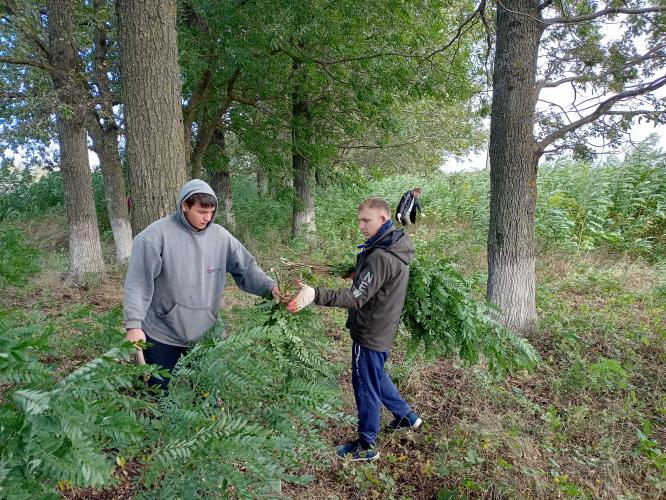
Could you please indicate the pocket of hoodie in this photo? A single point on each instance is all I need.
(188, 323)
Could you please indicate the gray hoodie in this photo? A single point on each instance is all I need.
(176, 275)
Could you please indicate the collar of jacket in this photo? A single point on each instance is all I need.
(383, 231)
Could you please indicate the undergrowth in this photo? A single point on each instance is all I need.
(18, 261)
(233, 422)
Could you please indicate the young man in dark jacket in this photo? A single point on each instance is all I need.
(374, 304)
(409, 204)
(176, 275)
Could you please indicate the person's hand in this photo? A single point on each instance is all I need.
(399, 216)
(304, 298)
(280, 297)
(136, 335)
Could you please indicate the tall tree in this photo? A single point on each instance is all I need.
(318, 77)
(613, 77)
(303, 219)
(152, 106)
(30, 103)
(104, 129)
(85, 252)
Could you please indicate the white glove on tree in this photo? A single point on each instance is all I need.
(303, 299)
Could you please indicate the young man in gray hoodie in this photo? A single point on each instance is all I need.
(374, 304)
(176, 275)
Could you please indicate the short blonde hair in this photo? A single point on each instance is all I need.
(377, 203)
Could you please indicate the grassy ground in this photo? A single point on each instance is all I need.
(591, 422)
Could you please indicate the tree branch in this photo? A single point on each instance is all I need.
(190, 110)
(637, 112)
(13, 10)
(29, 62)
(601, 13)
(459, 32)
(603, 109)
(244, 100)
(9, 96)
(541, 84)
(206, 134)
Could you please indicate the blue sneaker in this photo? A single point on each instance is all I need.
(357, 450)
(409, 421)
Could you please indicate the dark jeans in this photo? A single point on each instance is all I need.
(372, 388)
(164, 355)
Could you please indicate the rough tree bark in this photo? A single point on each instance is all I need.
(303, 222)
(513, 165)
(85, 251)
(221, 178)
(152, 106)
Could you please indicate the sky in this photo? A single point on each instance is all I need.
(477, 161)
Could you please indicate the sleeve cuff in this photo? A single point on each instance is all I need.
(132, 324)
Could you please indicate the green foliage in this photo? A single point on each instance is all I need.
(603, 376)
(441, 312)
(649, 448)
(68, 430)
(619, 205)
(243, 410)
(17, 260)
(16, 344)
(234, 420)
(21, 195)
(261, 221)
(80, 333)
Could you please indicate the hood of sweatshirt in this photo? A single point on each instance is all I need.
(188, 189)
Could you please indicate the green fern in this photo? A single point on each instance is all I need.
(234, 420)
(441, 313)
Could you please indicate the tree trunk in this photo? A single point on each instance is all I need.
(103, 129)
(303, 222)
(190, 111)
(152, 107)
(200, 149)
(218, 166)
(85, 250)
(513, 166)
(262, 183)
(105, 144)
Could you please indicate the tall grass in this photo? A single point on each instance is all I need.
(620, 205)
(24, 195)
